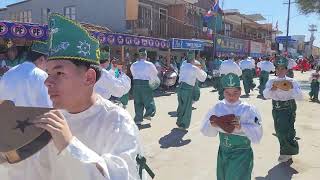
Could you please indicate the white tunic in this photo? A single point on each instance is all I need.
(144, 70)
(229, 66)
(24, 85)
(266, 66)
(246, 64)
(250, 120)
(108, 85)
(104, 135)
(291, 63)
(190, 73)
(314, 77)
(280, 95)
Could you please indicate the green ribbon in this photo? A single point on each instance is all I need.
(142, 162)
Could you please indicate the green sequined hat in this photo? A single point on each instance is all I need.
(40, 47)
(281, 62)
(143, 52)
(69, 40)
(230, 81)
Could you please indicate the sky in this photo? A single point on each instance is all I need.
(272, 10)
(275, 10)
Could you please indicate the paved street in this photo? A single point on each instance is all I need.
(178, 156)
(174, 155)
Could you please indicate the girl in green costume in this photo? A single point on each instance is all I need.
(242, 126)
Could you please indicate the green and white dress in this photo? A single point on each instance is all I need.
(235, 155)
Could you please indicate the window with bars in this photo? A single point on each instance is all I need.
(45, 12)
(23, 16)
(145, 16)
(70, 12)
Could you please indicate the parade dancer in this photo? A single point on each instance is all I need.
(108, 85)
(247, 75)
(284, 91)
(144, 74)
(189, 74)
(228, 66)
(265, 68)
(216, 78)
(314, 80)
(24, 84)
(238, 124)
(196, 89)
(91, 137)
(291, 63)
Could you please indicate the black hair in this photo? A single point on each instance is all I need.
(89, 65)
(104, 61)
(33, 56)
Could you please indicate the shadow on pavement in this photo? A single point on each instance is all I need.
(282, 171)
(144, 126)
(174, 139)
(173, 114)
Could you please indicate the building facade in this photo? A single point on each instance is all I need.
(98, 12)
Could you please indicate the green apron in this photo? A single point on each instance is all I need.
(284, 116)
(314, 90)
(196, 92)
(220, 90)
(247, 77)
(143, 99)
(235, 158)
(290, 73)
(184, 111)
(264, 77)
(124, 99)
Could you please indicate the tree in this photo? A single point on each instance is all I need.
(309, 6)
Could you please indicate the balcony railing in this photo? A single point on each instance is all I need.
(149, 27)
(241, 35)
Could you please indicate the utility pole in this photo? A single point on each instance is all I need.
(312, 29)
(288, 26)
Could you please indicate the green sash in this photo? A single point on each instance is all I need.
(235, 158)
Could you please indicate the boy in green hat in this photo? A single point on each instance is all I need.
(226, 67)
(238, 124)
(144, 73)
(189, 74)
(216, 77)
(91, 137)
(247, 74)
(284, 92)
(315, 80)
(266, 67)
(24, 84)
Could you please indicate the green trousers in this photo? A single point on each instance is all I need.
(196, 92)
(248, 83)
(290, 73)
(143, 99)
(220, 90)
(235, 158)
(314, 90)
(217, 83)
(124, 99)
(264, 77)
(184, 111)
(284, 116)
